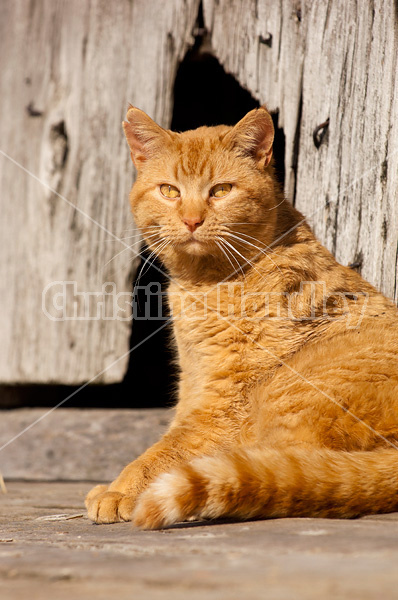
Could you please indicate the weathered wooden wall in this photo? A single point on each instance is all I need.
(68, 70)
(315, 60)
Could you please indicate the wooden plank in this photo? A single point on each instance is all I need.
(318, 60)
(72, 443)
(47, 556)
(350, 184)
(67, 72)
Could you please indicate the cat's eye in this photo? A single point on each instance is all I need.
(169, 191)
(220, 190)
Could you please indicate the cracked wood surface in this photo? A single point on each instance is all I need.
(50, 551)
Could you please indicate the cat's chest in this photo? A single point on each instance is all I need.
(233, 333)
(218, 329)
(199, 320)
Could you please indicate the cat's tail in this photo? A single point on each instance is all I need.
(258, 483)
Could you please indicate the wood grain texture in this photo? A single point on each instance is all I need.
(49, 557)
(63, 444)
(318, 60)
(68, 70)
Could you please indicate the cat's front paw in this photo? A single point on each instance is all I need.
(108, 507)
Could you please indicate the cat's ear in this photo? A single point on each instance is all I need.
(254, 135)
(145, 138)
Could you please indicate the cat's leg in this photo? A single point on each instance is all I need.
(201, 433)
(109, 504)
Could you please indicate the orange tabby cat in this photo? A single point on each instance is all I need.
(288, 396)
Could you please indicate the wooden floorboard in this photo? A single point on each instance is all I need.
(49, 550)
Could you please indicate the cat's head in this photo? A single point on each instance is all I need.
(197, 189)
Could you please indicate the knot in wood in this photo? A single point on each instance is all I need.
(320, 132)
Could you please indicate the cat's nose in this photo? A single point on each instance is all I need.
(193, 223)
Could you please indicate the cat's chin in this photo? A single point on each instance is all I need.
(194, 248)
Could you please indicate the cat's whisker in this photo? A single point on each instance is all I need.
(130, 247)
(140, 231)
(253, 224)
(247, 260)
(116, 240)
(255, 239)
(139, 237)
(163, 243)
(267, 250)
(254, 267)
(257, 247)
(270, 250)
(250, 262)
(145, 231)
(142, 238)
(227, 253)
(251, 237)
(259, 242)
(238, 237)
(125, 230)
(145, 227)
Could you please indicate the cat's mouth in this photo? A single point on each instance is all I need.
(192, 242)
(193, 245)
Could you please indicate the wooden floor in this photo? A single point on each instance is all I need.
(49, 550)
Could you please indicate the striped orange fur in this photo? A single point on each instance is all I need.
(288, 394)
